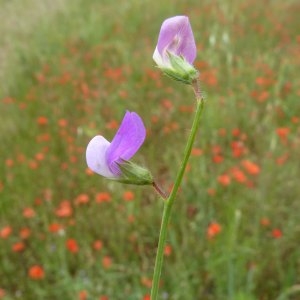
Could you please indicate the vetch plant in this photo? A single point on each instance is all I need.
(174, 55)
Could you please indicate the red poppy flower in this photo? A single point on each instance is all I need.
(36, 272)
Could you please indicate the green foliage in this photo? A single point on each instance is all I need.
(70, 70)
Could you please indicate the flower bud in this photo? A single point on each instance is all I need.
(176, 50)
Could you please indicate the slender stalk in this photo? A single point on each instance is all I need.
(170, 200)
(159, 190)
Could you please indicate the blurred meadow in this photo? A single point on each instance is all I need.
(69, 70)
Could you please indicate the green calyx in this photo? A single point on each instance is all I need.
(132, 173)
(180, 70)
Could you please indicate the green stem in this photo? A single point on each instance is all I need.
(170, 200)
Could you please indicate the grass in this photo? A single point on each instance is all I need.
(69, 70)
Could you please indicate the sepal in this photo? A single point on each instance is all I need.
(132, 173)
(179, 69)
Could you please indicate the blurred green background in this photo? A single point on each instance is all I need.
(68, 71)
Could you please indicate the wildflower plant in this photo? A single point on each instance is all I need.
(174, 55)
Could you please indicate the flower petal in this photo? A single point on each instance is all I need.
(159, 60)
(96, 152)
(126, 142)
(176, 36)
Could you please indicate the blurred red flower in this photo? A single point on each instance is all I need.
(251, 167)
(213, 229)
(28, 212)
(5, 232)
(283, 132)
(128, 195)
(147, 282)
(42, 120)
(82, 199)
(83, 295)
(64, 210)
(238, 175)
(2, 293)
(97, 245)
(36, 272)
(224, 179)
(103, 197)
(168, 250)
(55, 227)
(72, 245)
(24, 233)
(18, 247)
(196, 151)
(106, 262)
(276, 233)
(265, 222)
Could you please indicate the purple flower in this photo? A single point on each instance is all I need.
(104, 158)
(176, 38)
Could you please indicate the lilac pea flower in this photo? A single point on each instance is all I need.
(176, 49)
(107, 159)
(176, 37)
